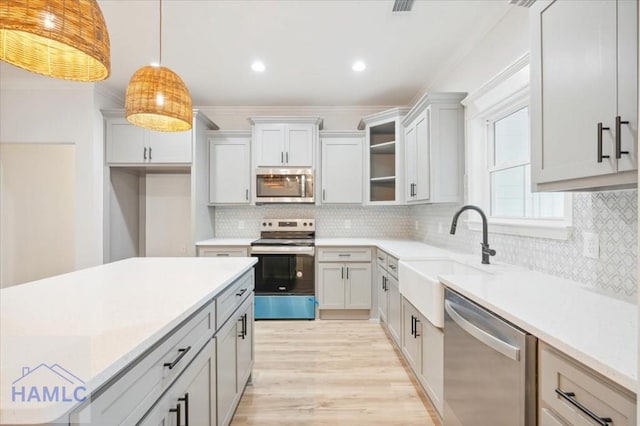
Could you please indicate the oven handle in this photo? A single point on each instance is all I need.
(309, 251)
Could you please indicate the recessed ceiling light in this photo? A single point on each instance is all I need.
(359, 66)
(258, 66)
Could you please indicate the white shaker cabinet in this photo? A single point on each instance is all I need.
(344, 285)
(434, 149)
(126, 144)
(229, 167)
(342, 167)
(285, 141)
(584, 94)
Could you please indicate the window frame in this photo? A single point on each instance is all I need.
(505, 94)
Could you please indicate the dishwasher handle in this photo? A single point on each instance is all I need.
(493, 342)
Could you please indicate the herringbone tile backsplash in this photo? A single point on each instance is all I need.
(612, 215)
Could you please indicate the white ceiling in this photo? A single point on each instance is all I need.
(308, 47)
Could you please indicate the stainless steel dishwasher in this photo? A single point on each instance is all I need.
(489, 368)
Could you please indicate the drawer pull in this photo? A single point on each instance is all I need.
(182, 353)
(243, 291)
(392, 267)
(186, 408)
(570, 397)
(222, 254)
(381, 259)
(178, 413)
(344, 255)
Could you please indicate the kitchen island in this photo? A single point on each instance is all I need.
(108, 344)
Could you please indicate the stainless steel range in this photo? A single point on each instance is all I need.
(285, 273)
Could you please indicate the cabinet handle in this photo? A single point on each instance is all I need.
(600, 129)
(415, 328)
(287, 157)
(392, 267)
(570, 397)
(324, 194)
(178, 413)
(344, 254)
(342, 270)
(149, 153)
(241, 327)
(145, 153)
(619, 124)
(185, 399)
(245, 324)
(222, 254)
(182, 353)
(281, 157)
(386, 282)
(381, 259)
(246, 194)
(243, 291)
(347, 272)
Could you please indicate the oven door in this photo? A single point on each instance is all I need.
(284, 273)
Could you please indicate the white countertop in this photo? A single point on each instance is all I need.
(226, 242)
(400, 249)
(595, 329)
(95, 321)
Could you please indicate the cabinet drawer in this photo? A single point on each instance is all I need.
(229, 300)
(392, 266)
(134, 390)
(381, 258)
(220, 251)
(594, 392)
(344, 254)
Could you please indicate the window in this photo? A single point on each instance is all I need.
(498, 162)
(510, 171)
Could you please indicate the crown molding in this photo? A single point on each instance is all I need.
(229, 133)
(286, 119)
(430, 99)
(382, 115)
(342, 133)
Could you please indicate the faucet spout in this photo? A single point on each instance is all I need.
(486, 250)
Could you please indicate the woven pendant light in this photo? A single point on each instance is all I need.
(65, 39)
(157, 98)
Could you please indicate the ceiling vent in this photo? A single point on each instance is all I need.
(402, 5)
(523, 3)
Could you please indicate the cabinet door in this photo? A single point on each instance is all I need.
(548, 418)
(411, 338)
(227, 356)
(125, 142)
(229, 171)
(433, 362)
(342, 174)
(169, 147)
(383, 302)
(573, 83)
(628, 82)
(245, 343)
(299, 145)
(411, 151)
(422, 189)
(358, 286)
(394, 316)
(270, 144)
(331, 283)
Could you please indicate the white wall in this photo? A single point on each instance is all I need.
(42, 110)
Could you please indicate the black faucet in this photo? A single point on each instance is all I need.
(486, 251)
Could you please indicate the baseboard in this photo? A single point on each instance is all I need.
(344, 314)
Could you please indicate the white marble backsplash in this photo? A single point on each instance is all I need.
(382, 222)
(612, 215)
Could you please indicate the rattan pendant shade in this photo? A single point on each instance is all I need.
(157, 99)
(65, 39)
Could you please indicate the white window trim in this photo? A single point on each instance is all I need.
(509, 90)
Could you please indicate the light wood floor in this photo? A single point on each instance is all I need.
(329, 373)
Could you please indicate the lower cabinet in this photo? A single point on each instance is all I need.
(422, 346)
(344, 285)
(235, 360)
(188, 401)
(394, 311)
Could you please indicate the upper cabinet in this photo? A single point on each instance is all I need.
(342, 168)
(229, 167)
(584, 94)
(434, 149)
(127, 144)
(384, 160)
(285, 141)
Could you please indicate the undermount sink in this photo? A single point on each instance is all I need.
(420, 285)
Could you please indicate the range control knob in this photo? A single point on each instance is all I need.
(264, 223)
(270, 224)
(304, 224)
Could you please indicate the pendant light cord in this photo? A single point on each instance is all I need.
(160, 60)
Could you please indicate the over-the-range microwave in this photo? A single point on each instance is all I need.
(284, 186)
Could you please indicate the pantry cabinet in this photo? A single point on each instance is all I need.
(584, 94)
(341, 167)
(434, 154)
(229, 167)
(384, 157)
(126, 144)
(285, 141)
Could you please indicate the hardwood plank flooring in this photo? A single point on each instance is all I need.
(330, 373)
